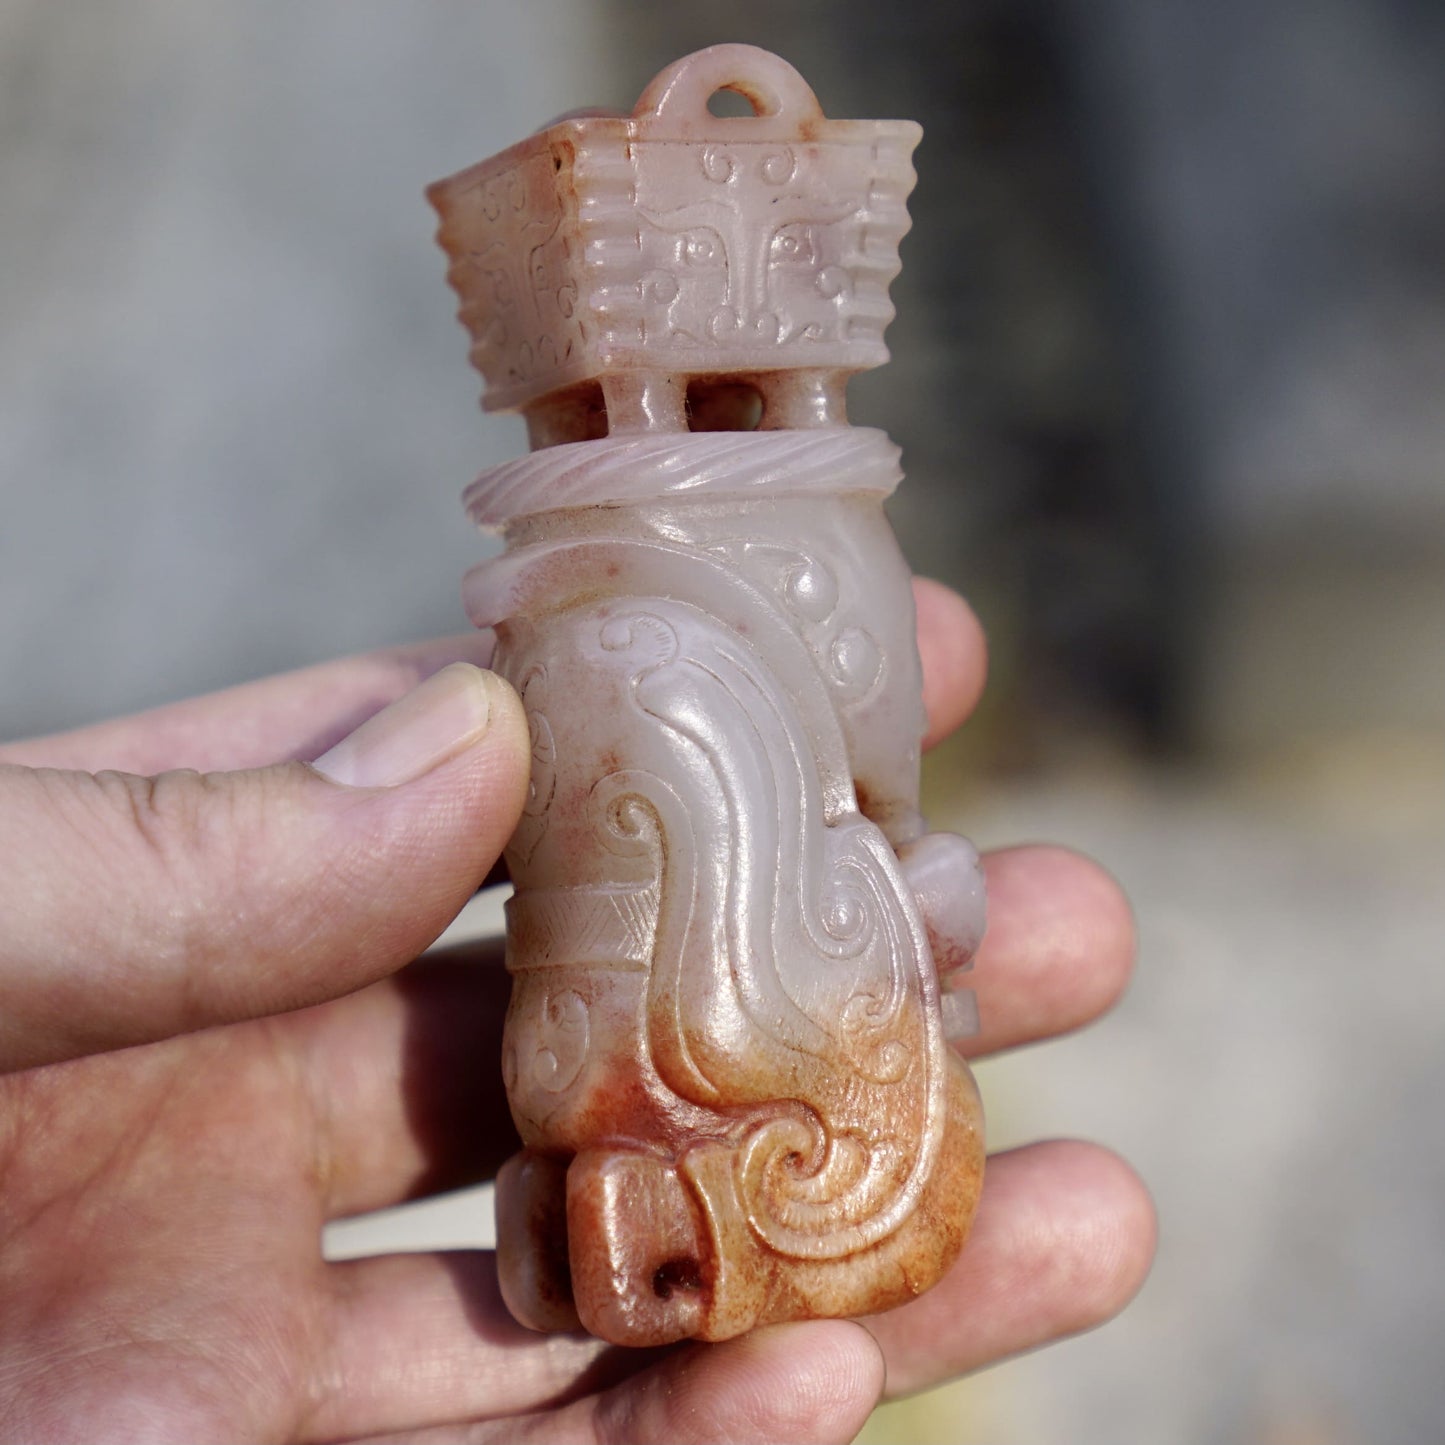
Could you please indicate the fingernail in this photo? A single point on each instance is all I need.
(430, 725)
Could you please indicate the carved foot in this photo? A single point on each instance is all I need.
(756, 1285)
(532, 1264)
(640, 1262)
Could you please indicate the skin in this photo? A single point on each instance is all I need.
(211, 1047)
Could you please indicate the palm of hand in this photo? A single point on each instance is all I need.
(163, 1207)
(160, 1266)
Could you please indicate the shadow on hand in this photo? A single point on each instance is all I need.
(456, 1002)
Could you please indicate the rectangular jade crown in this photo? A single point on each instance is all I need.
(676, 240)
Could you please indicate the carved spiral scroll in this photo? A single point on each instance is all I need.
(816, 1195)
(785, 945)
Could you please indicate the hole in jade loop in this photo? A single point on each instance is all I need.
(726, 102)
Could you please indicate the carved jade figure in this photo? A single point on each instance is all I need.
(726, 1051)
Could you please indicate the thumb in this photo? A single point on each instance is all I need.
(135, 908)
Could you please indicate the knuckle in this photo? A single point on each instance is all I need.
(187, 843)
(159, 821)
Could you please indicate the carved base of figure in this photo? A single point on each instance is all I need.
(640, 1249)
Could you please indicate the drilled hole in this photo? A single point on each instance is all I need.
(727, 103)
(723, 406)
(676, 1274)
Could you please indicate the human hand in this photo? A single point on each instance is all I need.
(172, 1138)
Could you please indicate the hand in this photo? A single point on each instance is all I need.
(212, 1052)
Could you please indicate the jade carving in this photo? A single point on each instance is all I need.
(735, 948)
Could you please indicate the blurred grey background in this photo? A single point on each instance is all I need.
(1178, 432)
